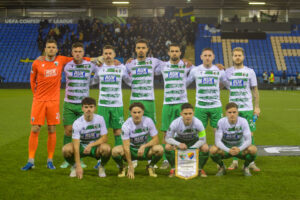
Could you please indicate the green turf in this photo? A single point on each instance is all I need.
(279, 178)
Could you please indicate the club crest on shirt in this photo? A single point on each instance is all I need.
(56, 63)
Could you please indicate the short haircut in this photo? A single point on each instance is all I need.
(51, 41)
(207, 49)
(231, 105)
(174, 45)
(142, 41)
(238, 49)
(88, 101)
(137, 104)
(77, 44)
(186, 106)
(108, 47)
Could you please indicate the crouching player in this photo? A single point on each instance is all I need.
(89, 136)
(186, 132)
(135, 132)
(233, 138)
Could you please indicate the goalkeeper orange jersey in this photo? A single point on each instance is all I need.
(45, 78)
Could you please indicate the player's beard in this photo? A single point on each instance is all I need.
(174, 59)
(141, 55)
(238, 64)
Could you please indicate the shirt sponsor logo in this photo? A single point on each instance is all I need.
(237, 82)
(110, 78)
(173, 74)
(208, 80)
(50, 72)
(141, 71)
(79, 74)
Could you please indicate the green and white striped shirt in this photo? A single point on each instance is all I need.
(207, 85)
(110, 84)
(78, 80)
(229, 135)
(138, 134)
(142, 74)
(88, 132)
(240, 83)
(175, 82)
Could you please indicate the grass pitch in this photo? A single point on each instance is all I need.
(279, 178)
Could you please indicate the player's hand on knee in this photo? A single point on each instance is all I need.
(141, 151)
(234, 151)
(182, 146)
(79, 172)
(87, 149)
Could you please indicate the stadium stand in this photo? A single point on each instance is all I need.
(17, 48)
(278, 52)
(20, 44)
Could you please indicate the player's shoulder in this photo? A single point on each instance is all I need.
(242, 120)
(59, 57)
(251, 71)
(87, 62)
(37, 63)
(222, 121)
(197, 123)
(147, 120)
(229, 69)
(127, 124)
(176, 122)
(196, 68)
(131, 64)
(196, 120)
(70, 63)
(79, 121)
(98, 117)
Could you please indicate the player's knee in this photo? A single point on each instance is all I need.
(204, 148)
(158, 149)
(169, 147)
(252, 149)
(117, 132)
(68, 150)
(105, 149)
(51, 129)
(35, 128)
(117, 151)
(68, 130)
(213, 149)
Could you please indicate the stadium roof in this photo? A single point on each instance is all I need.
(234, 4)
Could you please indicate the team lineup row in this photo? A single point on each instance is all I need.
(139, 75)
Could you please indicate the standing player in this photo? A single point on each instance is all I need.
(242, 80)
(78, 73)
(174, 74)
(135, 133)
(187, 132)
(233, 138)
(208, 78)
(110, 103)
(142, 71)
(89, 139)
(45, 85)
